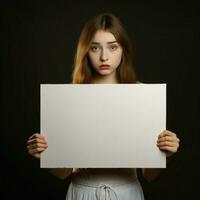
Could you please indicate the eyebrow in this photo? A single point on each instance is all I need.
(111, 42)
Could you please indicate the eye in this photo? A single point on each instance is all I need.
(94, 48)
(113, 47)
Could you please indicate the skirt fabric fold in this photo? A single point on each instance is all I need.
(114, 186)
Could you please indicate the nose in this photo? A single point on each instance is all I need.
(104, 55)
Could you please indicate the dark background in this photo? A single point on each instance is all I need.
(38, 42)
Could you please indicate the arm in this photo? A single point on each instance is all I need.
(36, 145)
(151, 174)
(60, 173)
(168, 142)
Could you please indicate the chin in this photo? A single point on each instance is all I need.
(105, 72)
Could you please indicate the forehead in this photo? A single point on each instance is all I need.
(102, 36)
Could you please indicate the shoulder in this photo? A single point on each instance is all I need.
(138, 82)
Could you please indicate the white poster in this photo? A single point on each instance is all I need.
(103, 125)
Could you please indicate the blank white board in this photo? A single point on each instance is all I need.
(102, 125)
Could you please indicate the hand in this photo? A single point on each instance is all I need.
(168, 142)
(36, 145)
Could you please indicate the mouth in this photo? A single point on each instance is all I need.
(103, 67)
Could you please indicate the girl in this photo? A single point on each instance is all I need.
(104, 55)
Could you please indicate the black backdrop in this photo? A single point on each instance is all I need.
(38, 42)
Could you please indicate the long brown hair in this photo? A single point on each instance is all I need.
(83, 71)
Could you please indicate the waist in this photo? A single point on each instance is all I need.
(98, 177)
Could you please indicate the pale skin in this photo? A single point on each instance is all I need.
(106, 50)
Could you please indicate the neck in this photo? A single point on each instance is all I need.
(105, 79)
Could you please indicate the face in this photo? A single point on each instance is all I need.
(105, 53)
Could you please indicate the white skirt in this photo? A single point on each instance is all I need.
(105, 188)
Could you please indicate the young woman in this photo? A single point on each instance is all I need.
(104, 55)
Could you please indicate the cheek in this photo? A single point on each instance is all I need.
(117, 59)
(93, 59)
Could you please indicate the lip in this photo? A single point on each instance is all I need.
(104, 66)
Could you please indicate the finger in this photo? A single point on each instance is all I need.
(36, 140)
(166, 133)
(166, 138)
(34, 135)
(167, 143)
(169, 149)
(37, 135)
(37, 150)
(37, 145)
